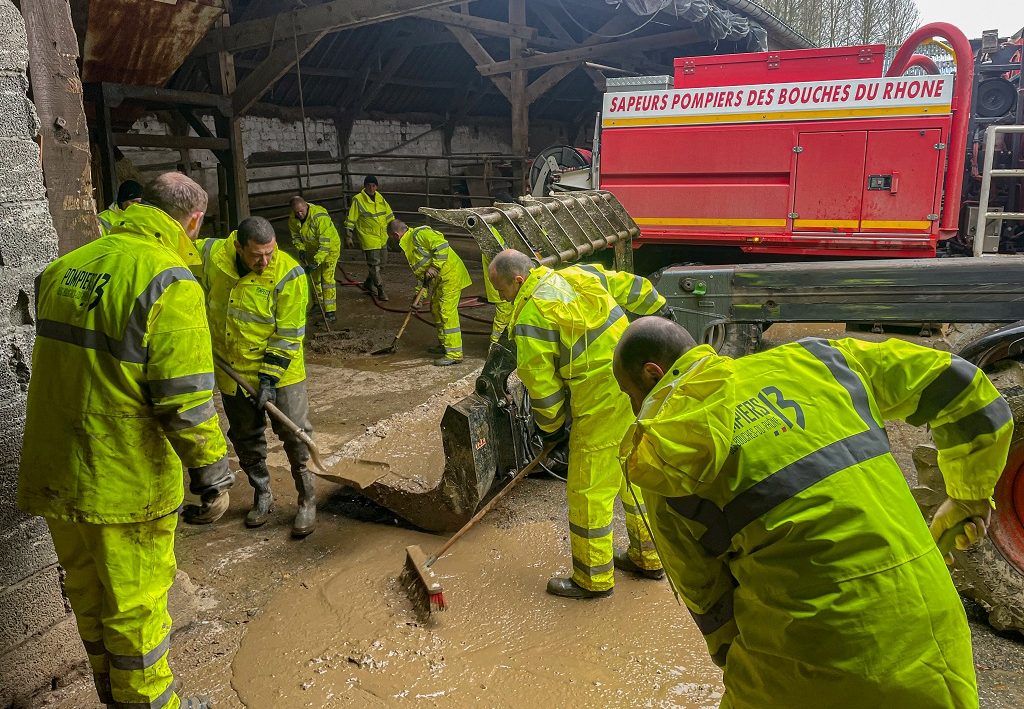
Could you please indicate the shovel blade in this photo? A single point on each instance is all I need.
(355, 472)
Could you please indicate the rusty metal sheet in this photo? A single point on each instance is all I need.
(143, 42)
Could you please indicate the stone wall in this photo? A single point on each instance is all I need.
(38, 639)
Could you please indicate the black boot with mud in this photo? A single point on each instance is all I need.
(305, 518)
(381, 295)
(262, 499)
(436, 350)
(567, 588)
(624, 563)
(446, 362)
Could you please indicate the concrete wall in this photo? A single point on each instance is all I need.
(273, 150)
(38, 639)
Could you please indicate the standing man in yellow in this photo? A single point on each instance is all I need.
(565, 325)
(256, 299)
(786, 525)
(316, 239)
(121, 397)
(443, 273)
(130, 192)
(369, 217)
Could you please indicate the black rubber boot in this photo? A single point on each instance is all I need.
(437, 350)
(262, 499)
(624, 563)
(381, 295)
(305, 519)
(445, 362)
(567, 588)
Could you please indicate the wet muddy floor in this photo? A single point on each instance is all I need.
(322, 622)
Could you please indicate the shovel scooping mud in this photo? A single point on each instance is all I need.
(405, 323)
(354, 472)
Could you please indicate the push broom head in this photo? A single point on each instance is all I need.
(421, 584)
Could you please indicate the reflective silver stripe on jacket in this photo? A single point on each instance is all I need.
(720, 613)
(245, 316)
(188, 384)
(190, 418)
(130, 347)
(760, 498)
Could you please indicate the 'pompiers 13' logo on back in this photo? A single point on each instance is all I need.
(85, 287)
(769, 411)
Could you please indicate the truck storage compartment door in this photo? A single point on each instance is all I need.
(828, 182)
(900, 178)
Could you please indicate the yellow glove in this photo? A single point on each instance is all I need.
(960, 524)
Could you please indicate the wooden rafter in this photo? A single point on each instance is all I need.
(658, 41)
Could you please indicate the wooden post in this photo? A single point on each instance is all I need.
(222, 74)
(64, 135)
(103, 132)
(519, 101)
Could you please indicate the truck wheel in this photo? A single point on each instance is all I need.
(993, 572)
(734, 339)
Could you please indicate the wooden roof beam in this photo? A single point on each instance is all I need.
(329, 17)
(658, 41)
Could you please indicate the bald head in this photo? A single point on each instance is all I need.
(507, 272)
(300, 208)
(396, 228)
(648, 348)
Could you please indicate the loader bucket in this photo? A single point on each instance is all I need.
(556, 230)
(487, 435)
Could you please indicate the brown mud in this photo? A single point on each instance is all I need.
(347, 635)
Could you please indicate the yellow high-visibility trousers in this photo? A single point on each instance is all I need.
(325, 282)
(594, 482)
(117, 579)
(444, 306)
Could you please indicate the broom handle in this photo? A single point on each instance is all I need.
(530, 467)
(272, 410)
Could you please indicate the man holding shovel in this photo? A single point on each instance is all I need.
(256, 301)
(437, 265)
(316, 239)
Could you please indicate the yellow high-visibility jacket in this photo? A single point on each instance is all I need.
(636, 294)
(491, 292)
(122, 379)
(257, 321)
(316, 237)
(566, 326)
(785, 523)
(109, 218)
(424, 247)
(369, 218)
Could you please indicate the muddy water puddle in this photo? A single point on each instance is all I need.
(346, 635)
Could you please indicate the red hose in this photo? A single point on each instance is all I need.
(921, 61)
(962, 86)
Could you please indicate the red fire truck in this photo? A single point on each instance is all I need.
(814, 153)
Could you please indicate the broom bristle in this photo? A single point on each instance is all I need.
(421, 585)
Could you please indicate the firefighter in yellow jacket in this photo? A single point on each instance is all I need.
(444, 275)
(256, 300)
(316, 239)
(121, 398)
(130, 192)
(368, 217)
(565, 325)
(786, 525)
